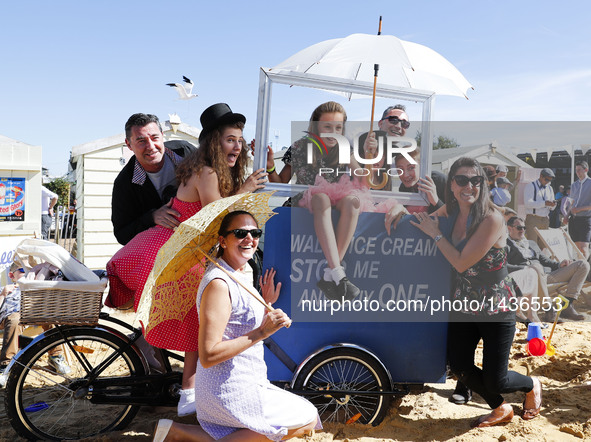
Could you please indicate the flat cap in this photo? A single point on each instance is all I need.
(548, 172)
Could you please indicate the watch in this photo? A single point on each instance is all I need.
(437, 238)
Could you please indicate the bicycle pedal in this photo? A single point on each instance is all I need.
(82, 349)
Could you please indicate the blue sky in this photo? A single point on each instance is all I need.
(73, 71)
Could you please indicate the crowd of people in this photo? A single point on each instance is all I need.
(492, 252)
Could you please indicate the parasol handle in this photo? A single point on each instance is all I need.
(370, 177)
(256, 295)
(376, 68)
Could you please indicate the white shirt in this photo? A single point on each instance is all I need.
(46, 197)
(535, 197)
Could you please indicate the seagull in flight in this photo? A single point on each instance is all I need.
(185, 89)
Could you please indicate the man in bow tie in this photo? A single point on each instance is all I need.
(539, 201)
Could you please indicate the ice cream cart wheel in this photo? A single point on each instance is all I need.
(349, 370)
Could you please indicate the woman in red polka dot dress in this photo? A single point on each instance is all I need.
(214, 171)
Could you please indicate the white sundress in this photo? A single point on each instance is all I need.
(236, 393)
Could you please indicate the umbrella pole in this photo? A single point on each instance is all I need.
(370, 176)
(253, 293)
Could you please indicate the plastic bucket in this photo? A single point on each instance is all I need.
(534, 330)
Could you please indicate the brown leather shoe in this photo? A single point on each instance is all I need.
(550, 316)
(571, 313)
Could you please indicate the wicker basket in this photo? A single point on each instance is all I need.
(61, 302)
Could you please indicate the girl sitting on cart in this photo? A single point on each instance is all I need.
(348, 194)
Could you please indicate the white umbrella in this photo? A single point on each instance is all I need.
(402, 63)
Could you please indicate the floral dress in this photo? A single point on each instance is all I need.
(487, 283)
(336, 184)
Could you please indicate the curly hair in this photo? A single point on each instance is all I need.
(483, 205)
(210, 154)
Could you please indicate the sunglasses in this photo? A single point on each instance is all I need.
(395, 120)
(463, 180)
(241, 233)
(520, 228)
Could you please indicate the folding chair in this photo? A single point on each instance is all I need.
(561, 246)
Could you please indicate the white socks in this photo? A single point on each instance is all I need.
(186, 404)
(336, 274)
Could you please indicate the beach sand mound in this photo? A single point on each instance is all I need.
(426, 414)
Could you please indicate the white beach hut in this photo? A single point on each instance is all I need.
(20, 196)
(96, 166)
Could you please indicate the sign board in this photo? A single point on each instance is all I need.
(12, 199)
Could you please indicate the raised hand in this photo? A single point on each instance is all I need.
(267, 283)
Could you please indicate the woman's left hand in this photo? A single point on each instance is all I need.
(427, 224)
(393, 216)
(270, 291)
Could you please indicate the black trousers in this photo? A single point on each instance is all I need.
(494, 378)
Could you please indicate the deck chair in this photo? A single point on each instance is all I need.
(561, 246)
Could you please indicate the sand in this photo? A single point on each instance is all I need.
(426, 414)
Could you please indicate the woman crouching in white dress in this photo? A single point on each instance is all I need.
(234, 398)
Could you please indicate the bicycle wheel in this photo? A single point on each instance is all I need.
(42, 403)
(346, 369)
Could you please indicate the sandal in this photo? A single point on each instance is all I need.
(482, 421)
(162, 429)
(530, 413)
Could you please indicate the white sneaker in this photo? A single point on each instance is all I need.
(3, 379)
(59, 363)
(186, 404)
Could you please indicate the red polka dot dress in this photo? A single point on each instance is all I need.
(128, 271)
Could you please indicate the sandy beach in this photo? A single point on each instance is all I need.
(426, 414)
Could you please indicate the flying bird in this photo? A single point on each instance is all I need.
(184, 90)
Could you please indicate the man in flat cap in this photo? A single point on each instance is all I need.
(501, 195)
(539, 201)
(502, 171)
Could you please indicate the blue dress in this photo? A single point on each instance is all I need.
(236, 393)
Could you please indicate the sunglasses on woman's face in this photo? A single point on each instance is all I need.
(241, 233)
(395, 120)
(463, 180)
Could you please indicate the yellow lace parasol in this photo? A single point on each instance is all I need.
(171, 287)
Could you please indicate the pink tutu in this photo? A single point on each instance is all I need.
(337, 191)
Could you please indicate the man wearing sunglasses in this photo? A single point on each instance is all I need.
(524, 253)
(393, 123)
(539, 201)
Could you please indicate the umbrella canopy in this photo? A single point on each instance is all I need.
(174, 273)
(402, 63)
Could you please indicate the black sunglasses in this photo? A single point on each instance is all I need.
(463, 180)
(395, 120)
(241, 233)
(520, 228)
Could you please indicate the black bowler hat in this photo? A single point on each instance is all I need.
(217, 115)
